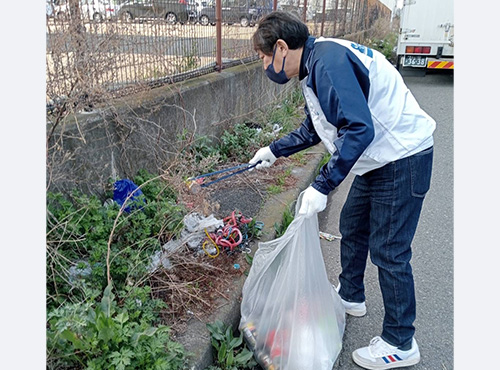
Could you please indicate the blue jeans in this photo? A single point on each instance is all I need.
(381, 215)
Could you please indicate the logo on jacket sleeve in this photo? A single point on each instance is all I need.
(362, 49)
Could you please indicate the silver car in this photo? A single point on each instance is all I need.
(94, 10)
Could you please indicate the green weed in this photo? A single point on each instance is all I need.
(101, 335)
(277, 188)
(385, 45)
(287, 113)
(274, 189)
(285, 222)
(299, 157)
(78, 230)
(231, 352)
(239, 143)
(254, 229)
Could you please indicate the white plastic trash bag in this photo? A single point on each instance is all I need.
(291, 316)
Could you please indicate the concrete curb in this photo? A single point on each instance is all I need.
(196, 339)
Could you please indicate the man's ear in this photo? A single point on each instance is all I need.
(282, 46)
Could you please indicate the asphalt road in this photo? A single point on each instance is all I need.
(432, 260)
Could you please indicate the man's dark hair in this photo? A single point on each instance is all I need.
(279, 25)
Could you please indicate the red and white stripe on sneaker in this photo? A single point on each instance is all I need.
(391, 358)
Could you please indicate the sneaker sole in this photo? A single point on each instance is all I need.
(370, 366)
(356, 313)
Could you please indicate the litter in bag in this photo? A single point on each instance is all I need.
(291, 316)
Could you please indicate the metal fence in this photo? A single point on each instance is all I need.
(100, 49)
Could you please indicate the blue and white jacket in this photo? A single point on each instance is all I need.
(358, 105)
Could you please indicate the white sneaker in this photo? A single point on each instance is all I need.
(381, 355)
(353, 308)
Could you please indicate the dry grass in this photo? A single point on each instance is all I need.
(195, 286)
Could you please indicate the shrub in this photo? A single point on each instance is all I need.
(78, 231)
(239, 143)
(103, 336)
(383, 36)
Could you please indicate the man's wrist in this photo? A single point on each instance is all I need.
(274, 150)
(323, 190)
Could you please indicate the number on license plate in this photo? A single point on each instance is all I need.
(414, 61)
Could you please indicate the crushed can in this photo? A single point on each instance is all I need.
(193, 186)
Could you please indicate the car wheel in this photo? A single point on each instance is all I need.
(98, 17)
(61, 16)
(244, 22)
(204, 20)
(126, 17)
(171, 18)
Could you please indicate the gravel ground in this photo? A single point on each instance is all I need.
(246, 199)
(247, 192)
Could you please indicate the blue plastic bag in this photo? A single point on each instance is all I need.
(123, 189)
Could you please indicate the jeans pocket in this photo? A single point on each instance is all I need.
(421, 171)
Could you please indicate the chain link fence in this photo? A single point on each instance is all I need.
(103, 49)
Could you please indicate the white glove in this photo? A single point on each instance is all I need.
(265, 155)
(312, 202)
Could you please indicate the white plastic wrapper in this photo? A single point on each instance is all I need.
(291, 316)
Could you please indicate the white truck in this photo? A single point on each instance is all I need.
(426, 35)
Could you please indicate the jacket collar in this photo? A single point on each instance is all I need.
(303, 72)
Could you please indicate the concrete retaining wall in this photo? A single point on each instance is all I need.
(142, 131)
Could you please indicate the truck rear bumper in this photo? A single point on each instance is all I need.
(442, 63)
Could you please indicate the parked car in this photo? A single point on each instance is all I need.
(99, 10)
(95, 10)
(244, 12)
(61, 9)
(194, 10)
(172, 11)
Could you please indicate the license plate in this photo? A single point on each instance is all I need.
(415, 61)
